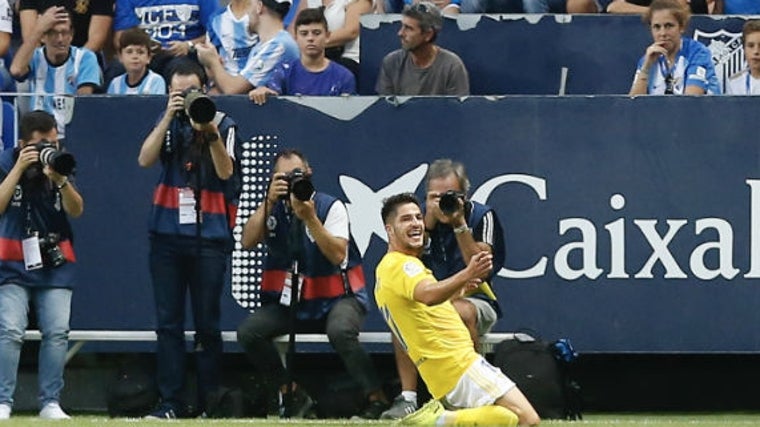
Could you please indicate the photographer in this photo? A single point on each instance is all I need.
(37, 260)
(457, 229)
(194, 208)
(308, 243)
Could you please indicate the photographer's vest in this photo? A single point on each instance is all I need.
(323, 282)
(45, 215)
(187, 168)
(444, 258)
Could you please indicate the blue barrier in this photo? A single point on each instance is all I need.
(632, 225)
(519, 54)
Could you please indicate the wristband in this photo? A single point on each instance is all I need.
(461, 229)
(63, 184)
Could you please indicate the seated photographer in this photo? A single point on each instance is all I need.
(37, 260)
(190, 225)
(457, 229)
(307, 235)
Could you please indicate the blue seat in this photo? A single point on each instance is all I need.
(9, 125)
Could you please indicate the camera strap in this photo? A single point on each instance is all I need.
(347, 291)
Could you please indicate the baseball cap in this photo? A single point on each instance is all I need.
(280, 6)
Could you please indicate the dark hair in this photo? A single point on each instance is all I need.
(751, 26)
(311, 16)
(427, 14)
(393, 202)
(35, 121)
(679, 11)
(186, 67)
(134, 37)
(281, 8)
(287, 153)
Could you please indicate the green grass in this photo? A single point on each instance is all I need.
(615, 420)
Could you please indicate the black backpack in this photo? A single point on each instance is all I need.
(132, 392)
(541, 371)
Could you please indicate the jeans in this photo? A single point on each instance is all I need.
(176, 268)
(342, 327)
(53, 310)
(544, 6)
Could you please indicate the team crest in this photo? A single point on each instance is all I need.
(81, 6)
(18, 194)
(727, 53)
(184, 12)
(271, 222)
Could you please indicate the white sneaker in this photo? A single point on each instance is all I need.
(53, 411)
(5, 411)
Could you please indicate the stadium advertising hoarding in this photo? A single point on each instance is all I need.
(632, 225)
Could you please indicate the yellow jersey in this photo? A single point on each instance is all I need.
(434, 336)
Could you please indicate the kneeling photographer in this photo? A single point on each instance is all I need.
(36, 256)
(312, 282)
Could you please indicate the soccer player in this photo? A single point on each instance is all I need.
(466, 389)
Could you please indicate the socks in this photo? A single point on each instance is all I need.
(410, 396)
(484, 416)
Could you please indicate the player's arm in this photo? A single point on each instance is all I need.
(430, 292)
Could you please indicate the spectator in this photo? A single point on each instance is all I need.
(740, 7)
(135, 54)
(640, 7)
(421, 67)
(747, 82)
(57, 68)
(560, 6)
(37, 262)
(307, 233)
(177, 25)
(673, 64)
(418, 310)
(275, 47)
(194, 207)
(228, 33)
(90, 19)
(456, 232)
(313, 74)
(6, 30)
(343, 22)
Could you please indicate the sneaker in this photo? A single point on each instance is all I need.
(400, 408)
(300, 405)
(53, 411)
(5, 411)
(426, 416)
(373, 410)
(162, 413)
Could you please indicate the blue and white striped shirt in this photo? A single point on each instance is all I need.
(49, 82)
(266, 56)
(151, 84)
(231, 38)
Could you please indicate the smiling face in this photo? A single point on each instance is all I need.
(406, 230)
(57, 41)
(666, 30)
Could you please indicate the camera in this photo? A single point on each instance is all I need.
(449, 201)
(299, 184)
(51, 252)
(198, 106)
(60, 161)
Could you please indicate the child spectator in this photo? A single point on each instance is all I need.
(313, 74)
(135, 54)
(747, 81)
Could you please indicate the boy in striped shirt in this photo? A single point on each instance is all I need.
(135, 54)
